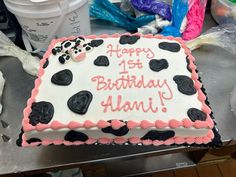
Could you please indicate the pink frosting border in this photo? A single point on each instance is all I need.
(116, 124)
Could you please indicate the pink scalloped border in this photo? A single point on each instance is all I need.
(116, 124)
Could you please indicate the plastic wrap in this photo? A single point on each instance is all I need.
(8, 48)
(103, 9)
(179, 11)
(223, 36)
(153, 7)
(2, 83)
(30, 64)
(223, 11)
(195, 18)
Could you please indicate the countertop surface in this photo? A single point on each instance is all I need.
(216, 68)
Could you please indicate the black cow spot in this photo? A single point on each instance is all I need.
(77, 43)
(73, 136)
(45, 65)
(63, 58)
(196, 114)
(33, 140)
(79, 103)
(126, 39)
(170, 46)
(185, 84)
(96, 43)
(158, 135)
(67, 44)
(56, 50)
(42, 112)
(63, 77)
(188, 68)
(101, 61)
(119, 132)
(158, 65)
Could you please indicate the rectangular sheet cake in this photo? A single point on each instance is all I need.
(116, 89)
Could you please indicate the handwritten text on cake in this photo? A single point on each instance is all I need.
(131, 59)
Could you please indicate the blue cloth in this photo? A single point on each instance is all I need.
(179, 11)
(103, 9)
(153, 7)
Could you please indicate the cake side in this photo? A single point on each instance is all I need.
(144, 126)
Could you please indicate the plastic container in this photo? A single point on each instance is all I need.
(223, 11)
(43, 20)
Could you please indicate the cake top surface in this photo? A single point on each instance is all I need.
(134, 78)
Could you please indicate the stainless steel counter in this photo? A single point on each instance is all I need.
(216, 67)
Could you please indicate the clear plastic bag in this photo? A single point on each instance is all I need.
(223, 36)
(8, 48)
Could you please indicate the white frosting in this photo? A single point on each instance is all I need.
(83, 72)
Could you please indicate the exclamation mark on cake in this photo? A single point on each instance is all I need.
(164, 109)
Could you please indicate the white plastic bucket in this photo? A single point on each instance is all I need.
(43, 20)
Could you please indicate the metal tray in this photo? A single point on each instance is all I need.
(217, 69)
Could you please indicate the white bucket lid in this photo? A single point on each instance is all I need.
(40, 8)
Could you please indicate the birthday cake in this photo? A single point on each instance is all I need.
(118, 89)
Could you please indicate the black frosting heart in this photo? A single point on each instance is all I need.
(79, 103)
(158, 65)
